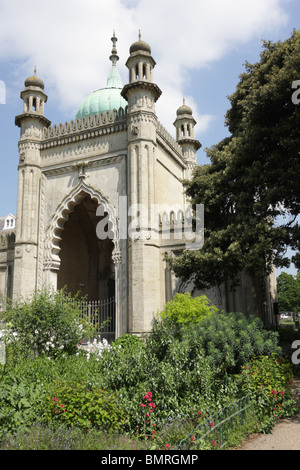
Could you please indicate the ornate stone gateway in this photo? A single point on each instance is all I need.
(73, 175)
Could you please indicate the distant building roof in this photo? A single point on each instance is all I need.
(8, 222)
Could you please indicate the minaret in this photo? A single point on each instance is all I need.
(141, 94)
(185, 136)
(31, 122)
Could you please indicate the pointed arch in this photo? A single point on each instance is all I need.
(67, 206)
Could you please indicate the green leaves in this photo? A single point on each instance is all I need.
(47, 323)
(288, 289)
(77, 404)
(269, 379)
(185, 309)
(251, 179)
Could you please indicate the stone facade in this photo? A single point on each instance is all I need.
(79, 177)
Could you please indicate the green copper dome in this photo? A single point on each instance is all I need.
(105, 99)
(108, 98)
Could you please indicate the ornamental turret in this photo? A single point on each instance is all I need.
(32, 123)
(185, 136)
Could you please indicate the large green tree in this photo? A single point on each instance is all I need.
(251, 187)
(288, 290)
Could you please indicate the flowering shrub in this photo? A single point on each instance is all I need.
(47, 323)
(95, 347)
(76, 404)
(148, 408)
(270, 380)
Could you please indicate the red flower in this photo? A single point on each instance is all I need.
(143, 405)
(167, 446)
(211, 424)
(214, 443)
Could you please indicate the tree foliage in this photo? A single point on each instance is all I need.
(288, 291)
(250, 189)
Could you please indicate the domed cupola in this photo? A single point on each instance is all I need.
(34, 81)
(108, 98)
(34, 99)
(140, 65)
(140, 46)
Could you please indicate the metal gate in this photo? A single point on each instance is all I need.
(102, 315)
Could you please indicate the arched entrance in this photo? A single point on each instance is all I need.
(73, 255)
(86, 264)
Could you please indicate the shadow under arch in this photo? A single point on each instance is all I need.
(53, 238)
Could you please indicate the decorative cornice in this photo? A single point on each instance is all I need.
(142, 84)
(195, 143)
(43, 120)
(71, 167)
(85, 128)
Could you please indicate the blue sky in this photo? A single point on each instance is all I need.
(199, 46)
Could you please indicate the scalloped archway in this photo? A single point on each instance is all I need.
(53, 238)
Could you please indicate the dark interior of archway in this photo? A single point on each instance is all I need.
(86, 262)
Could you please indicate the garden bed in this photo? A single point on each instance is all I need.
(141, 393)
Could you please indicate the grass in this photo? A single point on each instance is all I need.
(41, 437)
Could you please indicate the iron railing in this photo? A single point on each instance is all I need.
(219, 426)
(102, 315)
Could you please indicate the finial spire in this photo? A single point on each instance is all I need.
(34, 71)
(114, 56)
(140, 36)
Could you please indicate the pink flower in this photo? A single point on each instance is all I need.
(214, 443)
(143, 405)
(167, 446)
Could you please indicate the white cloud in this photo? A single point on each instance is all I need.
(69, 41)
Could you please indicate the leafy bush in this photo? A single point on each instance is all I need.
(84, 406)
(269, 379)
(129, 343)
(20, 406)
(227, 340)
(184, 309)
(47, 323)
